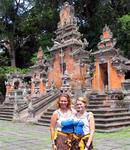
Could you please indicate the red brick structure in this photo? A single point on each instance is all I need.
(68, 54)
(39, 75)
(109, 65)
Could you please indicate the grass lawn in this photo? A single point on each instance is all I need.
(123, 133)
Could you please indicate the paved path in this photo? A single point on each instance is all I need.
(19, 136)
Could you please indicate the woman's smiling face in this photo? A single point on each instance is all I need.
(63, 102)
(80, 106)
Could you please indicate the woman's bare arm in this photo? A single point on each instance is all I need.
(53, 125)
(92, 128)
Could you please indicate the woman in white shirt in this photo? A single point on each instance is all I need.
(84, 127)
(61, 126)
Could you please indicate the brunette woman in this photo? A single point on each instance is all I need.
(61, 126)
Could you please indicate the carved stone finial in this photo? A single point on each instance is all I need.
(40, 54)
(107, 34)
(85, 43)
(66, 14)
(107, 40)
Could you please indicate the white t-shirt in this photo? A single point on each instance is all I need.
(81, 124)
(65, 121)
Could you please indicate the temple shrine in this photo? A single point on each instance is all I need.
(110, 66)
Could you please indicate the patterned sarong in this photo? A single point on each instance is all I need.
(79, 142)
(70, 141)
(63, 140)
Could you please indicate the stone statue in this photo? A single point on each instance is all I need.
(30, 109)
(40, 55)
(66, 14)
(16, 115)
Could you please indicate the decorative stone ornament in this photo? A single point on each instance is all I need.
(66, 15)
(107, 40)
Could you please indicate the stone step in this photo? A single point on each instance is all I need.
(95, 102)
(43, 124)
(6, 119)
(44, 121)
(97, 98)
(112, 125)
(101, 95)
(6, 107)
(4, 112)
(7, 110)
(6, 116)
(45, 117)
(112, 115)
(47, 113)
(92, 106)
(51, 110)
(107, 110)
(109, 120)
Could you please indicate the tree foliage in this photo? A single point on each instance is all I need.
(11, 12)
(124, 34)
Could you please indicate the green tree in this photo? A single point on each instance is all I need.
(11, 12)
(96, 13)
(124, 34)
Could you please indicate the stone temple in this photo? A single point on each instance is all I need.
(106, 81)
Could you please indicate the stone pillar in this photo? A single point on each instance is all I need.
(16, 116)
(31, 114)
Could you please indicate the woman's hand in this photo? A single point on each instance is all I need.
(54, 147)
(86, 148)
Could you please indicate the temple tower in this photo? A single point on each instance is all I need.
(39, 75)
(68, 54)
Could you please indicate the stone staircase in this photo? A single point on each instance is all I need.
(35, 101)
(107, 117)
(6, 112)
(46, 102)
(39, 103)
(110, 113)
(46, 116)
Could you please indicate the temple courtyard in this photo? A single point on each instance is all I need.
(20, 136)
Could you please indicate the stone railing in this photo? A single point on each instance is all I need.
(18, 94)
(33, 107)
(126, 91)
(116, 98)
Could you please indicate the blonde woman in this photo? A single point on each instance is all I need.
(61, 126)
(84, 126)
